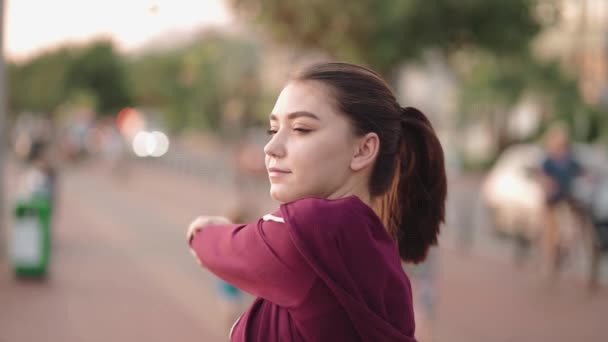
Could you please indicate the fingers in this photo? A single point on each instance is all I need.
(196, 257)
(202, 221)
(198, 224)
(195, 226)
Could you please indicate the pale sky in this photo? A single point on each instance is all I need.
(34, 25)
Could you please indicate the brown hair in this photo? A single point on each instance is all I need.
(408, 180)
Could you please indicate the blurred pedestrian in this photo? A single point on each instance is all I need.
(326, 266)
(40, 176)
(559, 168)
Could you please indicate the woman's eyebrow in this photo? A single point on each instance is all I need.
(295, 115)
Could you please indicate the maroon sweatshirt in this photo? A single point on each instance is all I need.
(323, 270)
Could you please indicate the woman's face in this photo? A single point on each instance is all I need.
(311, 146)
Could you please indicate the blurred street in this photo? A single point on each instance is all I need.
(121, 270)
(115, 135)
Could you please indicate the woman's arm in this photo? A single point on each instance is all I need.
(258, 257)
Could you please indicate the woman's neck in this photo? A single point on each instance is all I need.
(362, 193)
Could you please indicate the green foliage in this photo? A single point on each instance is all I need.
(495, 34)
(38, 85)
(215, 79)
(52, 78)
(195, 85)
(501, 82)
(383, 33)
(99, 69)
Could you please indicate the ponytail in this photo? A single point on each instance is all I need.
(414, 206)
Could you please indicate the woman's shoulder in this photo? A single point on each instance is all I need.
(328, 213)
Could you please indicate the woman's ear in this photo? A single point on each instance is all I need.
(366, 150)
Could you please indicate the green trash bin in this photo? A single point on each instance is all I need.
(31, 237)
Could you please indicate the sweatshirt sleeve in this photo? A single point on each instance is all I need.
(258, 257)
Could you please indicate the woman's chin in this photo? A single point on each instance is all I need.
(279, 194)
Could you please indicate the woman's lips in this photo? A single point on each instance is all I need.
(276, 169)
(276, 172)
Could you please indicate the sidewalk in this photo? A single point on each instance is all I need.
(106, 282)
(489, 300)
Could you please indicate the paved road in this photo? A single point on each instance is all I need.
(121, 272)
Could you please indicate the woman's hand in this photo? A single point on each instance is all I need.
(203, 221)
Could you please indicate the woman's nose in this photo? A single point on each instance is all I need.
(275, 147)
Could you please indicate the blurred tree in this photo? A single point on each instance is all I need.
(485, 42)
(50, 79)
(99, 69)
(39, 85)
(495, 84)
(202, 84)
(383, 33)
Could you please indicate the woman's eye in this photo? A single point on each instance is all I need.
(302, 130)
(273, 131)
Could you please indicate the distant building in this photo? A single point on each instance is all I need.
(580, 39)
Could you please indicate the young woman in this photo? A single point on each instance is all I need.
(362, 186)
